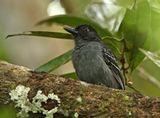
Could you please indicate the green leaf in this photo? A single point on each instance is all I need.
(155, 58)
(55, 63)
(44, 34)
(70, 75)
(74, 21)
(124, 3)
(136, 31)
(155, 4)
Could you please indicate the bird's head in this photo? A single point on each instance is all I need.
(83, 33)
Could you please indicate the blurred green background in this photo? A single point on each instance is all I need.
(18, 16)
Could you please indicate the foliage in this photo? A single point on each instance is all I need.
(55, 63)
(135, 29)
(130, 43)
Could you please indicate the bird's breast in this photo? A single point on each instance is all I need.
(88, 58)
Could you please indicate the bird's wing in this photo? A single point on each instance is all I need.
(110, 60)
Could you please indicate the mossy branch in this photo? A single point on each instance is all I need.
(76, 99)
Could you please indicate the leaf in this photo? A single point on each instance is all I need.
(74, 21)
(70, 75)
(135, 29)
(155, 5)
(44, 34)
(55, 63)
(124, 3)
(152, 56)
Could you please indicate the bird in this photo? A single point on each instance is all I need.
(93, 61)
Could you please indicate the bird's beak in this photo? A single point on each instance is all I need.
(71, 30)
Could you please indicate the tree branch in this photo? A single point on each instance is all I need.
(77, 99)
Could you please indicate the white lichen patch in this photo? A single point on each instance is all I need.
(130, 113)
(76, 115)
(20, 98)
(84, 83)
(79, 99)
(40, 97)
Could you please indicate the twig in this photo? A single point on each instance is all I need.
(125, 69)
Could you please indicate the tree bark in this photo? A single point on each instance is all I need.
(77, 99)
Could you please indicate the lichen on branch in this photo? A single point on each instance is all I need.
(71, 98)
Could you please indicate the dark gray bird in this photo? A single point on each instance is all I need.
(93, 60)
